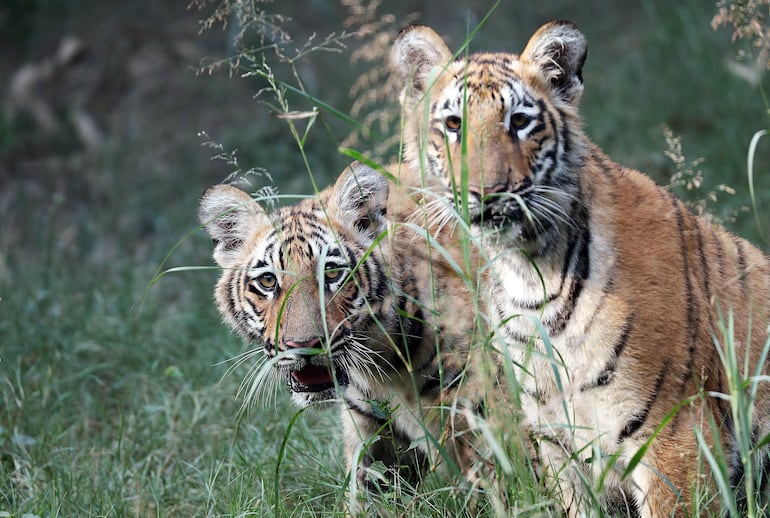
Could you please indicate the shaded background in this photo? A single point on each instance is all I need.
(115, 390)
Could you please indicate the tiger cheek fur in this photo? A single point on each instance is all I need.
(628, 285)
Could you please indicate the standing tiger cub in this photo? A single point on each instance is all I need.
(628, 285)
(347, 299)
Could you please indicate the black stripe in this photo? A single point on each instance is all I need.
(703, 261)
(581, 267)
(350, 256)
(281, 259)
(269, 248)
(717, 239)
(725, 413)
(365, 276)
(379, 283)
(290, 238)
(233, 295)
(692, 319)
(564, 131)
(492, 62)
(526, 101)
(741, 263)
(552, 153)
(253, 305)
(576, 238)
(537, 129)
(606, 375)
(637, 421)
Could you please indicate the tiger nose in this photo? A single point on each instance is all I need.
(308, 344)
(483, 191)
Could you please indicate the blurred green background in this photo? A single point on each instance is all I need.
(115, 396)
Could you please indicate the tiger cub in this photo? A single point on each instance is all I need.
(607, 293)
(349, 300)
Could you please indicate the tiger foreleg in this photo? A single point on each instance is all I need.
(376, 456)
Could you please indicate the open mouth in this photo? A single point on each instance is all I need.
(315, 378)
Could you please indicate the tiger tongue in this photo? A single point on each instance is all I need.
(313, 375)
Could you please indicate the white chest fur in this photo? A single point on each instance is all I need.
(556, 317)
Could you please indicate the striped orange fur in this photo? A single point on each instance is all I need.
(629, 286)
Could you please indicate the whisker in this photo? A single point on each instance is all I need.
(554, 212)
(553, 205)
(437, 213)
(365, 359)
(260, 380)
(240, 359)
(560, 196)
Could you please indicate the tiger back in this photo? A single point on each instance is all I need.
(348, 297)
(609, 295)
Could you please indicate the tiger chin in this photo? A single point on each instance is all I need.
(628, 286)
(350, 303)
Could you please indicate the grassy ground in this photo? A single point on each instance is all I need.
(115, 398)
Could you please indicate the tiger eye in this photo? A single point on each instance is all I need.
(519, 120)
(333, 274)
(453, 123)
(267, 281)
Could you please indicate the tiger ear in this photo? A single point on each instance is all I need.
(416, 51)
(230, 217)
(559, 50)
(360, 197)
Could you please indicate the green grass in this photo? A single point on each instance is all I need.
(111, 410)
(114, 399)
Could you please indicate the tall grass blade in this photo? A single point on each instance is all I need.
(750, 166)
(277, 500)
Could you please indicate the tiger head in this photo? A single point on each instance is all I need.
(303, 281)
(501, 130)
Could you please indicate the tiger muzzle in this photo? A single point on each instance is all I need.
(500, 205)
(311, 374)
(498, 211)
